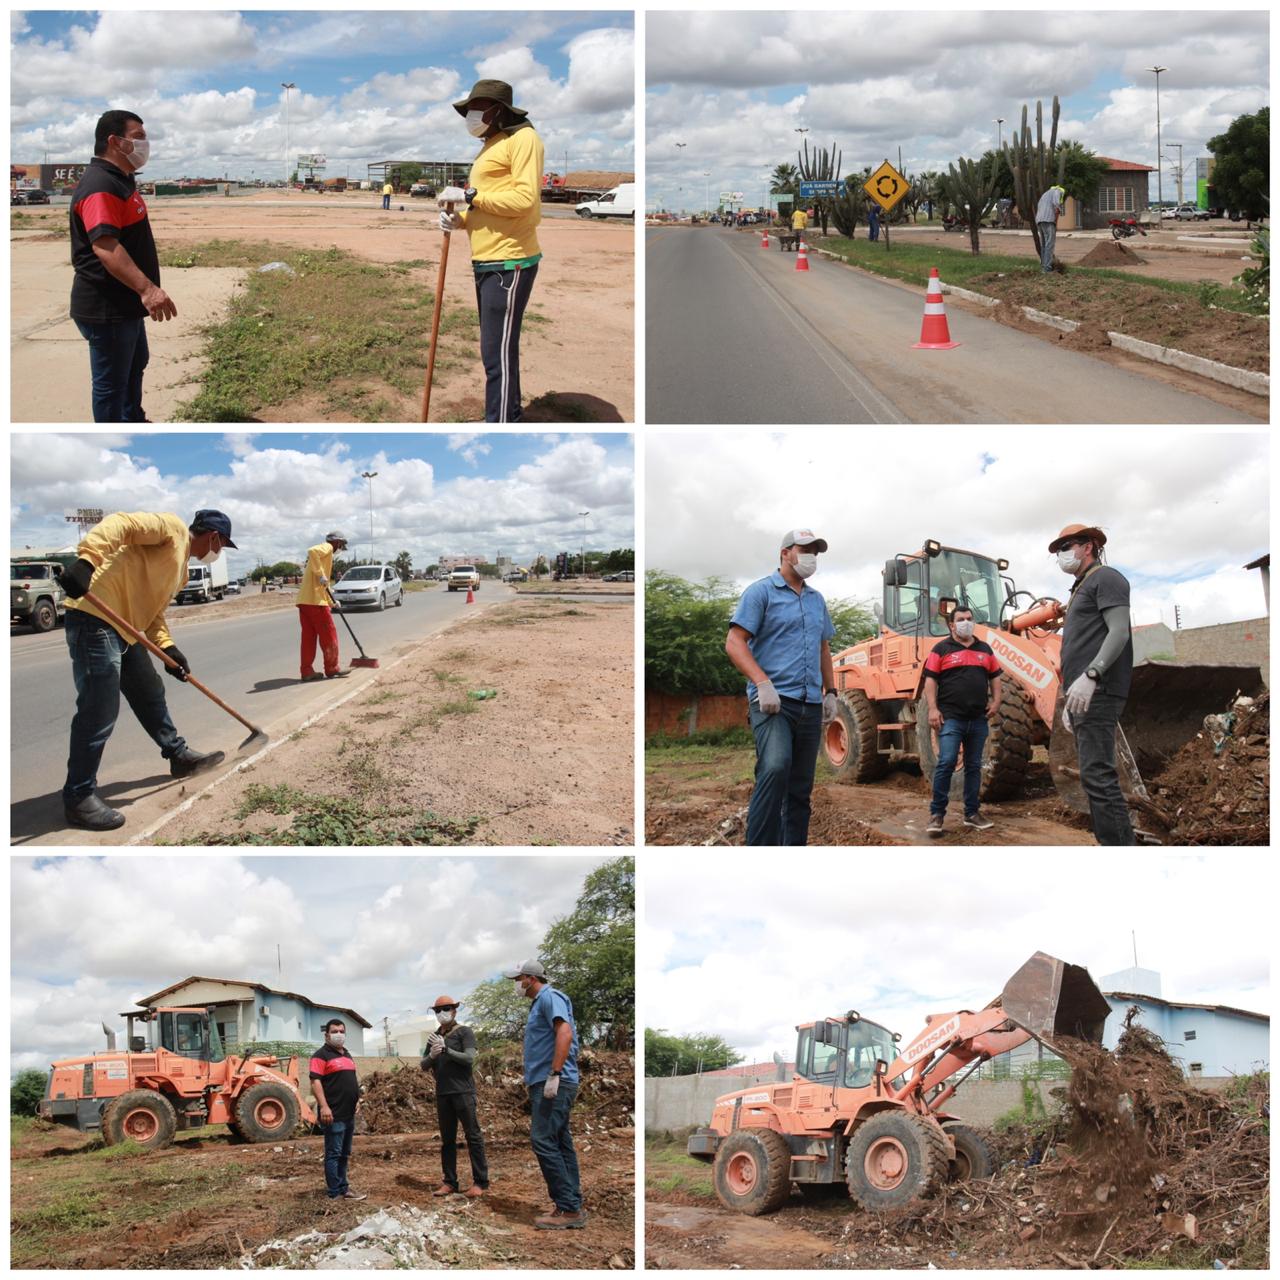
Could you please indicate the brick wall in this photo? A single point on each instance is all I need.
(1227, 642)
(678, 716)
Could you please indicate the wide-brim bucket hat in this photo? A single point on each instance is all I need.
(497, 90)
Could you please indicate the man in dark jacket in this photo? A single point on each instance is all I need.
(451, 1055)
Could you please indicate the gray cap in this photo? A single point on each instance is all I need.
(530, 969)
(335, 536)
(803, 538)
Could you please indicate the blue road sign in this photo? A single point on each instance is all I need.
(810, 189)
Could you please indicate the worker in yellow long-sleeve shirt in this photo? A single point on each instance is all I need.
(500, 209)
(135, 564)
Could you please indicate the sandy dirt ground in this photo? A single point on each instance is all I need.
(545, 759)
(585, 291)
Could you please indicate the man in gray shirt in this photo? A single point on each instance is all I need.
(451, 1055)
(1047, 212)
(1097, 667)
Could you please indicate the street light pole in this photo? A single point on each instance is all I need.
(584, 515)
(999, 133)
(286, 86)
(1159, 174)
(368, 475)
(706, 173)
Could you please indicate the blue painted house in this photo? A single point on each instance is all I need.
(247, 1012)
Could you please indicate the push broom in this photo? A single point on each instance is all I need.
(362, 660)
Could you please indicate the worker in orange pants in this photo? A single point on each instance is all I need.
(313, 609)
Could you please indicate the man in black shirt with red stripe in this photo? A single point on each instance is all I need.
(337, 1093)
(117, 269)
(962, 690)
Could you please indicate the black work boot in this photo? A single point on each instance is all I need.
(92, 814)
(187, 762)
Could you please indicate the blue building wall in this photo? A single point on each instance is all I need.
(294, 1020)
(1221, 1043)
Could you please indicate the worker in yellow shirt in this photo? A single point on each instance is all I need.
(387, 191)
(313, 609)
(799, 220)
(500, 209)
(135, 564)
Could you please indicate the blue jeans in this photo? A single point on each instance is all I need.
(786, 756)
(1048, 238)
(553, 1144)
(386, 202)
(337, 1151)
(103, 667)
(1096, 748)
(118, 354)
(954, 734)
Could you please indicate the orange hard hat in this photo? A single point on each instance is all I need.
(1079, 531)
(443, 1002)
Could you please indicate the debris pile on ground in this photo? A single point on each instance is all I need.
(404, 1101)
(1216, 790)
(1139, 1167)
(1110, 253)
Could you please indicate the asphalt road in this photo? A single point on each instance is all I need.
(251, 663)
(736, 335)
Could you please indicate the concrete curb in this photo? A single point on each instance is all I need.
(190, 801)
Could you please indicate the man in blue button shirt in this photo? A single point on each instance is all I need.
(551, 1076)
(779, 638)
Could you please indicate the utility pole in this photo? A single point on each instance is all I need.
(368, 475)
(1159, 175)
(286, 86)
(1179, 168)
(584, 515)
(706, 173)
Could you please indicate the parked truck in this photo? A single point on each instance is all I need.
(205, 582)
(35, 599)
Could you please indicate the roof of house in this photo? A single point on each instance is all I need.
(1126, 165)
(1262, 562)
(1182, 1004)
(147, 1001)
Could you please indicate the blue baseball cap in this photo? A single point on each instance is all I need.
(217, 522)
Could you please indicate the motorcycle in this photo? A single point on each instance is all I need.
(1123, 228)
(951, 222)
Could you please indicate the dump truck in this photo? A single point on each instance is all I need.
(864, 1113)
(882, 717)
(174, 1076)
(35, 598)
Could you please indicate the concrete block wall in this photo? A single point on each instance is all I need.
(1227, 642)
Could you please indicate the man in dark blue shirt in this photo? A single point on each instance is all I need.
(551, 1076)
(779, 638)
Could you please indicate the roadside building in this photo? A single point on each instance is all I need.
(1263, 565)
(449, 563)
(402, 174)
(1122, 193)
(246, 1011)
(1152, 640)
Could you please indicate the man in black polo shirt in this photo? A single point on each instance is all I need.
(1097, 667)
(337, 1093)
(117, 271)
(451, 1054)
(962, 690)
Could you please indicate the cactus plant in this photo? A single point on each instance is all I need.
(850, 206)
(971, 186)
(1033, 166)
(822, 166)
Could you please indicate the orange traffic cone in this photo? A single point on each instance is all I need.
(471, 596)
(802, 256)
(934, 334)
(764, 244)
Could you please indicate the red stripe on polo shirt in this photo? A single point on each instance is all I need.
(104, 209)
(960, 658)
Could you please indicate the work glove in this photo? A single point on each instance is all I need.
(183, 669)
(75, 579)
(324, 582)
(768, 698)
(828, 708)
(451, 195)
(551, 1087)
(1080, 695)
(1066, 720)
(449, 222)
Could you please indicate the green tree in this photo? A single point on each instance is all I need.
(539, 569)
(404, 565)
(487, 570)
(590, 954)
(852, 621)
(496, 1011)
(409, 174)
(26, 1090)
(670, 1055)
(285, 569)
(784, 181)
(1242, 168)
(619, 558)
(431, 570)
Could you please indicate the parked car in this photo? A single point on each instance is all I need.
(466, 577)
(369, 586)
(623, 575)
(17, 196)
(1190, 212)
(36, 196)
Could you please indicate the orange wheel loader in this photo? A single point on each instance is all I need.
(176, 1076)
(864, 1114)
(882, 717)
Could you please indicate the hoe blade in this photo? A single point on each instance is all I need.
(1050, 998)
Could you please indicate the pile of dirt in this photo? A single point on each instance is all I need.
(1110, 253)
(404, 1101)
(1217, 789)
(1138, 1163)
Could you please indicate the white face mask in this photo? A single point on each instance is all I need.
(1068, 560)
(806, 565)
(210, 557)
(476, 125)
(337, 1039)
(964, 629)
(140, 154)
(443, 1016)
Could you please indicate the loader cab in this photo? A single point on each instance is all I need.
(916, 586)
(844, 1052)
(188, 1033)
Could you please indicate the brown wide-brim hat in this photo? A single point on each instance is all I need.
(498, 90)
(444, 1002)
(1079, 531)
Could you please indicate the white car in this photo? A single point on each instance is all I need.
(369, 586)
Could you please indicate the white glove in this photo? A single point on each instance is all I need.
(770, 703)
(1066, 720)
(435, 1045)
(551, 1087)
(1081, 694)
(451, 195)
(449, 222)
(828, 708)
(324, 582)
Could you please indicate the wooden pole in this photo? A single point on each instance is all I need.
(435, 322)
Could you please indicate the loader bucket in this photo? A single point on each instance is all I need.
(1052, 999)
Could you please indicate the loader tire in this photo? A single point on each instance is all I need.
(267, 1112)
(1008, 755)
(849, 741)
(752, 1172)
(142, 1116)
(973, 1157)
(895, 1161)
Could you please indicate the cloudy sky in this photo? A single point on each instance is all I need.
(434, 495)
(737, 950)
(382, 936)
(735, 86)
(1183, 511)
(370, 85)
